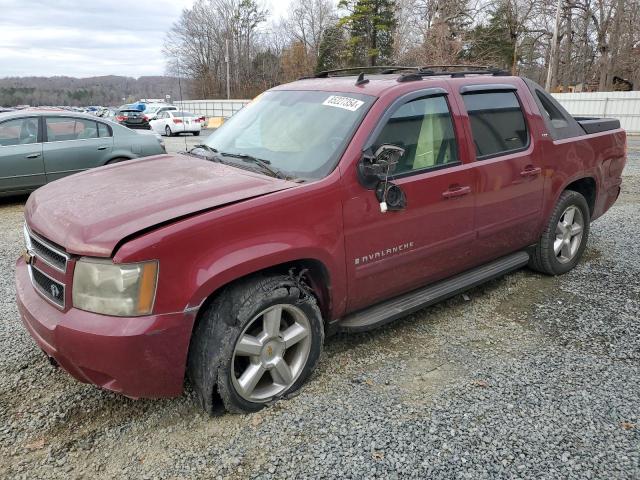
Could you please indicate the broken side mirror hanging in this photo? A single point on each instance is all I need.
(374, 170)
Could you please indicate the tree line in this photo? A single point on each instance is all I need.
(597, 46)
(106, 90)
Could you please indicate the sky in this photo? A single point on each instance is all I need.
(85, 38)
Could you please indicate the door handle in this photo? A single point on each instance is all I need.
(456, 192)
(33, 155)
(531, 171)
(102, 148)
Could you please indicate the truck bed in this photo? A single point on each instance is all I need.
(597, 125)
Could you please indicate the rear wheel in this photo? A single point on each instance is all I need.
(167, 131)
(196, 134)
(258, 341)
(564, 239)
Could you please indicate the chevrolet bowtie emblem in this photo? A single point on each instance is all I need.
(27, 257)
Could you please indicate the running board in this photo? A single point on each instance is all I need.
(389, 310)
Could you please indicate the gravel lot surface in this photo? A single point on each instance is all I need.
(525, 377)
(185, 141)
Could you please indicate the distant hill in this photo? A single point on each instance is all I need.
(107, 90)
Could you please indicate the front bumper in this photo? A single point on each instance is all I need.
(140, 357)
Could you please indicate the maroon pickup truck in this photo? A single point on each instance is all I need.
(332, 203)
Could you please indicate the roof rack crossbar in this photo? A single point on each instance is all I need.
(385, 69)
(413, 72)
(457, 74)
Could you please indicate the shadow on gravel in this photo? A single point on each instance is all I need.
(13, 200)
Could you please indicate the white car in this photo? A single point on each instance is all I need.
(152, 110)
(174, 122)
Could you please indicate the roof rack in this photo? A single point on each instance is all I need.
(384, 69)
(412, 73)
(426, 72)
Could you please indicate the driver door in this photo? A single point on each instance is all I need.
(432, 236)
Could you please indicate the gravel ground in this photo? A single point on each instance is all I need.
(185, 141)
(525, 377)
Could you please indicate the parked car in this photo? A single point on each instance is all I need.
(155, 135)
(326, 204)
(173, 122)
(154, 109)
(132, 118)
(39, 146)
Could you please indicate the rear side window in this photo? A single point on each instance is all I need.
(497, 123)
(22, 131)
(552, 113)
(60, 129)
(423, 127)
(103, 130)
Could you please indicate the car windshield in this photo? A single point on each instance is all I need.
(301, 133)
(182, 114)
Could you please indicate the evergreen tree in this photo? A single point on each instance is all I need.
(492, 43)
(332, 49)
(371, 24)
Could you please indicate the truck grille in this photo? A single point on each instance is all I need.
(45, 251)
(47, 286)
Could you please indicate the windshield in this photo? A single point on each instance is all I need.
(301, 133)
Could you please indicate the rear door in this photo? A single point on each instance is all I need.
(508, 163)
(432, 237)
(74, 144)
(21, 164)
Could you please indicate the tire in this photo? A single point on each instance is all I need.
(219, 361)
(545, 257)
(167, 131)
(196, 134)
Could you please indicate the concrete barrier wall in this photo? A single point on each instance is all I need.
(212, 108)
(624, 106)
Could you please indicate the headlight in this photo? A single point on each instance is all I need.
(127, 290)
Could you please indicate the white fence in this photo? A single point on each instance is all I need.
(212, 108)
(622, 105)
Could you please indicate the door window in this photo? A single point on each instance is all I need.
(60, 129)
(103, 130)
(423, 127)
(497, 123)
(21, 131)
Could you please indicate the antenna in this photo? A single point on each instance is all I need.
(186, 147)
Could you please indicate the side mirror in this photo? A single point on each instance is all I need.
(374, 167)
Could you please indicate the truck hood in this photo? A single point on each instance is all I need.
(89, 213)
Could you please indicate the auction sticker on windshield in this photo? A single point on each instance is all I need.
(347, 103)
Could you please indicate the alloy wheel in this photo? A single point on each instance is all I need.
(271, 353)
(568, 234)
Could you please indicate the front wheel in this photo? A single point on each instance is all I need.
(196, 134)
(564, 239)
(258, 341)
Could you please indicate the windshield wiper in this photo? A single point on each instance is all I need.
(205, 147)
(265, 165)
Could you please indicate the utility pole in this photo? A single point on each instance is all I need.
(226, 60)
(554, 50)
